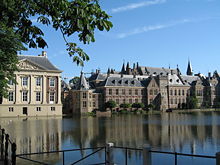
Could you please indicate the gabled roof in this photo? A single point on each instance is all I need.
(41, 61)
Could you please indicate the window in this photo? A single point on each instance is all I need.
(11, 96)
(130, 92)
(136, 100)
(175, 92)
(136, 91)
(38, 96)
(10, 82)
(52, 82)
(179, 92)
(183, 92)
(142, 92)
(124, 101)
(171, 92)
(38, 81)
(175, 100)
(52, 108)
(130, 101)
(84, 95)
(24, 81)
(110, 91)
(171, 101)
(155, 92)
(84, 104)
(52, 96)
(38, 108)
(94, 104)
(117, 91)
(90, 95)
(10, 109)
(117, 101)
(151, 92)
(123, 91)
(25, 96)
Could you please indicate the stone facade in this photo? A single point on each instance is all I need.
(163, 88)
(38, 89)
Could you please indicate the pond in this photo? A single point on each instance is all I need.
(192, 133)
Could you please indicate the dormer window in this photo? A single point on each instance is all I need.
(177, 80)
(171, 80)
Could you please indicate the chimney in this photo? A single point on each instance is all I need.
(44, 54)
(209, 75)
(171, 71)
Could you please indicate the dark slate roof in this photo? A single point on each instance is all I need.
(40, 61)
(118, 81)
(189, 79)
(174, 80)
(82, 84)
(98, 76)
(156, 71)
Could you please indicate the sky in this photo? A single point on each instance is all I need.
(155, 33)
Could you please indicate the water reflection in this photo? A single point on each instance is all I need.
(195, 133)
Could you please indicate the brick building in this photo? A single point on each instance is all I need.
(162, 87)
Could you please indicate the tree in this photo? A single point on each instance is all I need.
(192, 102)
(125, 105)
(80, 17)
(138, 105)
(110, 104)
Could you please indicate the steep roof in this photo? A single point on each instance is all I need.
(189, 79)
(189, 69)
(82, 84)
(41, 61)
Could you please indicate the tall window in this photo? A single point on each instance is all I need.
(84, 95)
(10, 109)
(110, 91)
(52, 82)
(175, 92)
(179, 92)
(52, 96)
(84, 104)
(151, 92)
(38, 81)
(171, 92)
(136, 91)
(183, 92)
(24, 81)
(123, 91)
(11, 96)
(117, 91)
(38, 96)
(130, 91)
(52, 108)
(25, 96)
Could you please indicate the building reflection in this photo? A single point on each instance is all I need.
(35, 135)
(169, 131)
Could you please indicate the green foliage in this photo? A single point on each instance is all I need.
(110, 104)
(80, 17)
(192, 102)
(125, 105)
(151, 106)
(74, 80)
(138, 105)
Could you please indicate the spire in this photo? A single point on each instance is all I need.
(127, 68)
(137, 65)
(189, 69)
(123, 68)
(134, 66)
(178, 70)
(108, 72)
(82, 83)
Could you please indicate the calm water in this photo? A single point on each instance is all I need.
(194, 133)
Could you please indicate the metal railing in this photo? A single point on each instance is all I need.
(24, 156)
(8, 148)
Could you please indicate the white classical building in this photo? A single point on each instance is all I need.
(38, 89)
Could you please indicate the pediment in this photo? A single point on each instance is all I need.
(27, 65)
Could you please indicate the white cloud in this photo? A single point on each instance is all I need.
(137, 5)
(161, 26)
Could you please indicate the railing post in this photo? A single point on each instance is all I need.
(13, 154)
(217, 158)
(2, 142)
(147, 155)
(6, 149)
(109, 154)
